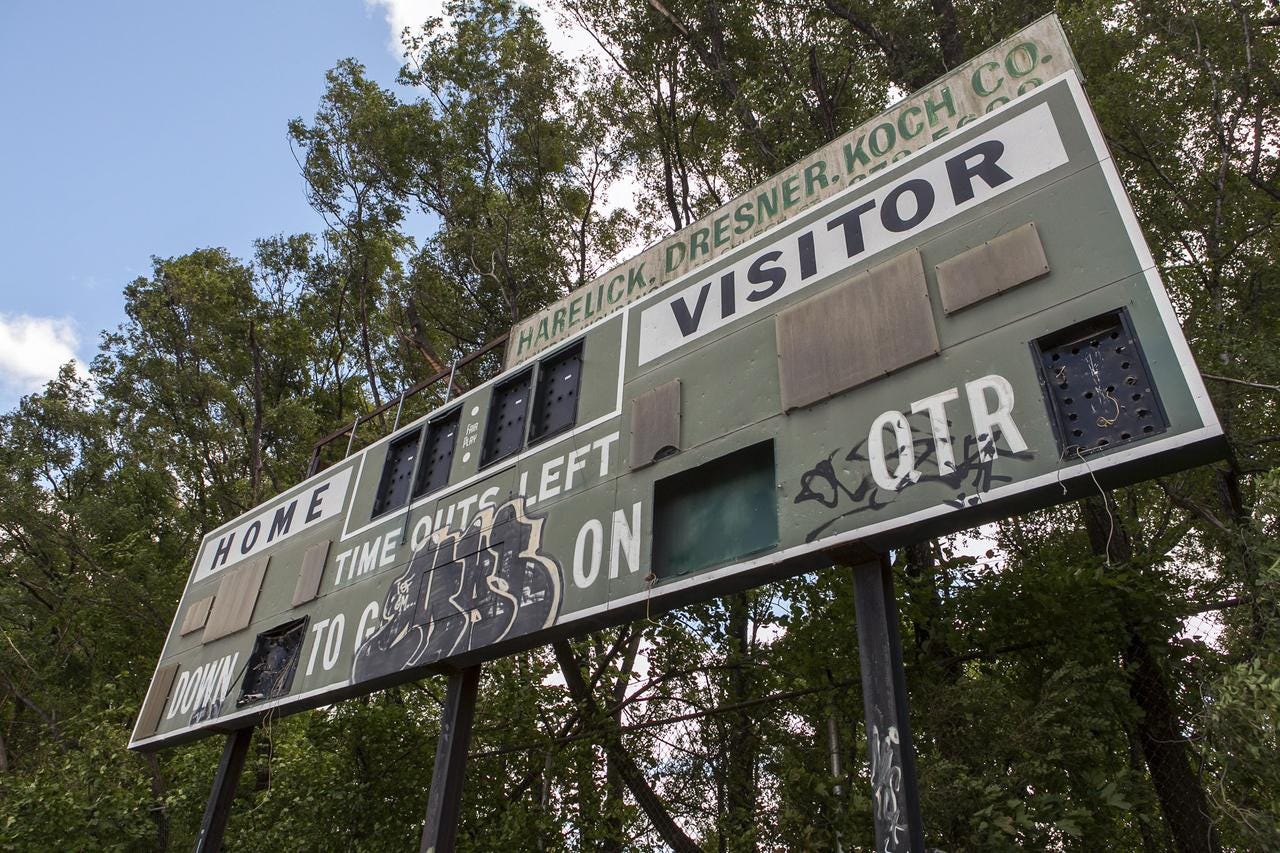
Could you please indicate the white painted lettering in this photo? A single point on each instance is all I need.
(368, 557)
(224, 675)
(625, 540)
(465, 506)
(577, 462)
(936, 406)
(547, 487)
(184, 680)
(585, 575)
(316, 631)
(905, 471)
(421, 533)
(208, 685)
(334, 644)
(367, 625)
(189, 693)
(986, 420)
(602, 445)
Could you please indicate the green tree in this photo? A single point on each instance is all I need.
(1104, 677)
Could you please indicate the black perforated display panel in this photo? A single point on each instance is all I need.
(397, 473)
(555, 407)
(437, 454)
(507, 413)
(1098, 385)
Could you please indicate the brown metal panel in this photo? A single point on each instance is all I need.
(153, 705)
(1018, 256)
(308, 586)
(237, 595)
(818, 352)
(196, 616)
(897, 305)
(655, 423)
(802, 373)
(875, 323)
(965, 279)
(1009, 260)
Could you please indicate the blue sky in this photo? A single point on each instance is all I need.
(151, 128)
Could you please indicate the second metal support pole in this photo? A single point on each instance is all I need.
(895, 796)
(440, 829)
(218, 807)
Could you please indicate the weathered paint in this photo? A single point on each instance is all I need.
(986, 83)
(558, 539)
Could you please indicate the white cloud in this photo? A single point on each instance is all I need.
(566, 37)
(32, 349)
(405, 13)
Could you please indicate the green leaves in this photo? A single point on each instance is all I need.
(1039, 662)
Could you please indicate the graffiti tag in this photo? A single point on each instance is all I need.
(464, 591)
(886, 786)
(968, 477)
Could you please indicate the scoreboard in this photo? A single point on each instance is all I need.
(972, 331)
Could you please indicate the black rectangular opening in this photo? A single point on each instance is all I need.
(397, 473)
(273, 663)
(715, 513)
(437, 454)
(508, 411)
(555, 405)
(1097, 385)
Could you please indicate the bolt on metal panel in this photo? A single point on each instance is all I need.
(196, 616)
(1013, 258)
(717, 512)
(875, 323)
(157, 696)
(237, 595)
(655, 424)
(311, 572)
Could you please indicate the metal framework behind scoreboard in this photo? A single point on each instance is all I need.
(972, 331)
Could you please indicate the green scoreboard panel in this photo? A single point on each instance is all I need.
(975, 330)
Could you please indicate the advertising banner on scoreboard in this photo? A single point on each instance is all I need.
(980, 86)
(970, 332)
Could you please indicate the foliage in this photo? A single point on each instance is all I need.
(1096, 677)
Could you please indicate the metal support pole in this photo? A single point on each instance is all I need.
(440, 829)
(448, 389)
(395, 425)
(352, 439)
(833, 751)
(225, 780)
(895, 797)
